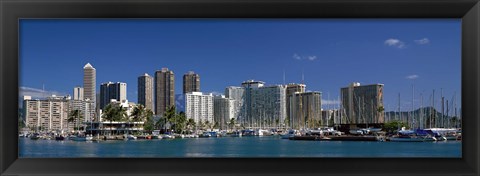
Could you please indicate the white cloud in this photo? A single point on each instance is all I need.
(394, 43)
(423, 41)
(38, 93)
(297, 57)
(312, 58)
(412, 77)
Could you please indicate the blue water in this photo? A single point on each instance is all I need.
(271, 146)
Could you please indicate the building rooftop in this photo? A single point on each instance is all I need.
(88, 65)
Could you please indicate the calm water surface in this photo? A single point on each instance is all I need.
(271, 146)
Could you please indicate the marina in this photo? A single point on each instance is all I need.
(254, 146)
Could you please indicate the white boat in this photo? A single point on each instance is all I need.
(261, 132)
(166, 136)
(411, 136)
(356, 132)
(290, 133)
(87, 137)
(236, 134)
(406, 139)
(131, 137)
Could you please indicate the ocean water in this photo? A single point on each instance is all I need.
(271, 146)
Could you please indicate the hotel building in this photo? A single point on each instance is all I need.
(78, 93)
(110, 90)
(361, 104)
(305, 110)
(89, 82)
(264, 106)
(292, 88)
(199, 107)
(224, 110)
(145, 91)
(48, 114)
(237, 94)
(164, 90)
(191, 82)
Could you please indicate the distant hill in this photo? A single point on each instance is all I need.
(427, 111)
(180, 102)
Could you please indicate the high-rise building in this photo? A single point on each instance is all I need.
(199, 107)
(305, 110)
(78, 93)
(361, 104)
(191, 82)
(264, 106)
(89, 82)
(224, 110)
(86, 108)
(48, 114)
(164, 90)
(237, 94)
(292, 88)
(110, 91)
(145, 91)
(249, 86)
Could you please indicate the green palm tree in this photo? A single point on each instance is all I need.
(190, 124)
(170, 116)
(114, 112)
(138, 114)
(75, 117)
(232, 123)
(148, 119)
(180, 122)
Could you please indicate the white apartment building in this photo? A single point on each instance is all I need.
(224, 110)
(268, 106)
(199, 107)
(237, 94)
(78, 93)
(128, 106)
(47, 115)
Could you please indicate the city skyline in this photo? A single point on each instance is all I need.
(289, 50)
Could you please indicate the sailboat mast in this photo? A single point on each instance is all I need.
(399, 112)
(421, 117)
(413, 106)
(433, 111)
(443, 115)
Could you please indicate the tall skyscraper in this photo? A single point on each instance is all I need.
(191, 82)
(145, 91)
(223, 110)
(89, 82)
(361, 104)
(264, 106)
(110, 90)
(238, 95)
(164, 90)
(78, 93)
(292, 88)
(305, 110)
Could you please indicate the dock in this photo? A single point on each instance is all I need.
(309, 138)
(354, 138)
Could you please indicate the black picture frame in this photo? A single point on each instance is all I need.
(12, 10)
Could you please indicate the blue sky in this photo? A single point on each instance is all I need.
(331, 53)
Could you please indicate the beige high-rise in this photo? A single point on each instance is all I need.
(89, 82)
(164, 90)
(145, 91)
(291, 89)
(191, 82)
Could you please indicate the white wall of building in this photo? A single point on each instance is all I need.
(199, 107)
